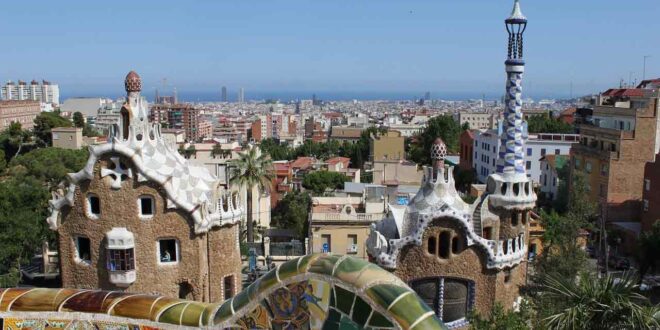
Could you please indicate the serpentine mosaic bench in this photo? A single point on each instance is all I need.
(317, 291)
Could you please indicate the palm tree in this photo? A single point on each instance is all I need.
(590, 303)
(252, 170)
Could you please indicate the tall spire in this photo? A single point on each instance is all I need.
(511, 160)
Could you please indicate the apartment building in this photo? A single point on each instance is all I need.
(22, 112)
(341, 224)
(615, 144)
(46, 92)
(477, 120)
(388, 146)
(487, 146)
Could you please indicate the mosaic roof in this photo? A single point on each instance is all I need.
(317, 291)
(188, 187)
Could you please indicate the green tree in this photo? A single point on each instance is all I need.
(78, 119)
(648, 251)
(217, 150)
(43, 124)
(546, 124)
(595, 303)
(562, 255)
(13, 139)
(291, 213)
(51, 165)
(252, 170)
(23, 207)
(499, 319)
(318, 182)
(275, 150)
(443, 126)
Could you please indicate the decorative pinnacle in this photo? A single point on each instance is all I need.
(438, 153)
(133, 82)
(516, 13)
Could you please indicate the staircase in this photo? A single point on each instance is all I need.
(476, 218)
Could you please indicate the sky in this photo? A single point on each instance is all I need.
(331, 46)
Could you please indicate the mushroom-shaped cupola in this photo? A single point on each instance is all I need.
(133, 82)
(438, 153)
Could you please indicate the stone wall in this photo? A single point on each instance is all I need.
(119, 208)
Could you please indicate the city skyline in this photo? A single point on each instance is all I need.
(447, 48)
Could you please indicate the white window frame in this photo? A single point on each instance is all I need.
(153, 207)
(76, 257)
(88, 207)
(176, 253)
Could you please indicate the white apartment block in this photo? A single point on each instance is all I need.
(487, 144)
(477, 120)
(46, 92)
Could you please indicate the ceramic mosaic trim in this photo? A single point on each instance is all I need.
(319, 291)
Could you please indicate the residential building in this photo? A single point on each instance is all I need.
(477, 120)
(46, 92)
(388, 146)
(22, 112)
(141, 218)
(463, 257)
(466, 153)
(341, 165)
(107, 115)
(551, 165)
(341, 225)
(67, 137)
(88, 106)
(345, 134)
(395, 173)
(262, 128)
(182, 116)
(650, 196)
(487, 148)
(620, 137)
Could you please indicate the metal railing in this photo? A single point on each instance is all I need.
(287, 249)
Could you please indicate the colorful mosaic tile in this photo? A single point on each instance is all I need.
(314, 292)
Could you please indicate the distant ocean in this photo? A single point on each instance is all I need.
(286, 96)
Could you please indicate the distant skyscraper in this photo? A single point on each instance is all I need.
(224, 93)
(427, 96)
(241, 95)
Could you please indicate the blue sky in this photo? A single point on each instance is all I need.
(289, 45)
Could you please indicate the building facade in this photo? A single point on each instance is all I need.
(477, 120)
(388, 146)
(551, 165)
(22, 112)
(46, 92)
(461, 257)
(140, 218)
(615, 144)
(487, 148)
(67, 137)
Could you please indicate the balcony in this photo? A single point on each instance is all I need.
(580, 149)
(122, 278)
(342, 217)
(609, 133)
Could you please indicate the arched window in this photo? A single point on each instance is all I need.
(431, 245)
(444, 244)
(456, 245)
(450, 298)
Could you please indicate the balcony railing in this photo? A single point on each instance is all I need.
(604, 154)
(348, 217)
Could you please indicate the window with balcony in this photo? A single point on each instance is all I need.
(646, 205)
(604, 168)
(647, 184)
(168, 251)
(587, 167)
(83, 250)
(121, 259)
(542, 152)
